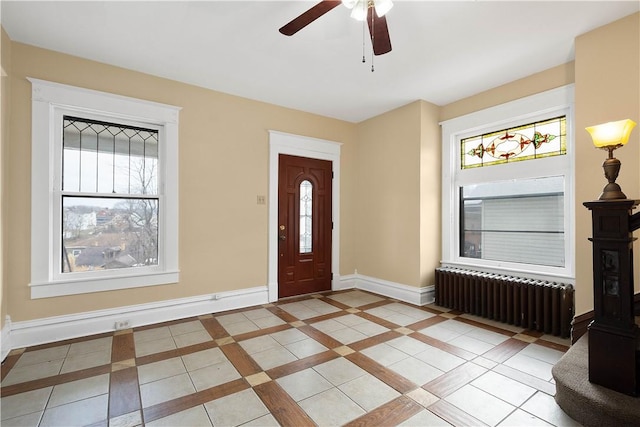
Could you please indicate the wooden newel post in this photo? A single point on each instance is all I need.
(614, 337)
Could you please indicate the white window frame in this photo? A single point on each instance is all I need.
(50, 102)
(549, 104)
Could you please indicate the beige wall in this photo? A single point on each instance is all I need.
(552, 78)
(223, 167)
(5, 96)
(607, 70)
(388, 197)
(430, 193)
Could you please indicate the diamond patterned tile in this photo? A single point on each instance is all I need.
(368, 392)
(482, 405)
(82, 412)
(304, 384)
(384, 354)
(213, 375)
(166, 389)
(236, 409)
(342, 410)
(196, 416)
(273, 357)
(339, 371)
(332, 359)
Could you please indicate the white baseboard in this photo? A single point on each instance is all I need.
(345, 282)
(5, 339)
(41, 331)
(410, 294)
(50, 329)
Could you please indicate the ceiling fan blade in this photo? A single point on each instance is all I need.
(379, 33)
(308, 17)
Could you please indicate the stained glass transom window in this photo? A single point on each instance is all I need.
(531, 141)
(306, 214)
(100, 157)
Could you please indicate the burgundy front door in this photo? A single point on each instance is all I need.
(304, 225)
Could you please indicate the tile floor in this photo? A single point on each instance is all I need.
(338, 358)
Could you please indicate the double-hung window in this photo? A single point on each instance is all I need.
(508, 188)
(104, 191)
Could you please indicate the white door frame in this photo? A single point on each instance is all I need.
(303, 146)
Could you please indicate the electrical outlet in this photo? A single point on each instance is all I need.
(262, 200)
(122, 324)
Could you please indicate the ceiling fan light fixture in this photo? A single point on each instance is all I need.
(382, 7)
(359, 8)
(359, 11)
(349, 3)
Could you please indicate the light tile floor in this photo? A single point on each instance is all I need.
(339, 358)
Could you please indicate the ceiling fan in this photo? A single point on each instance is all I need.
(372, 10)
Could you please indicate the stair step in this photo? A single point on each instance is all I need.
(588, 403)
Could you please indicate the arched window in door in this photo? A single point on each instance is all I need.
(306, 214)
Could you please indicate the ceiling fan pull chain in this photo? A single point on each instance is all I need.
(373, 23)
(363, 37)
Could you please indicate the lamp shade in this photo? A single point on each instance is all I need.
(612, 133)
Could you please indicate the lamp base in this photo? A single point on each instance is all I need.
(612, 191)
(611, 166)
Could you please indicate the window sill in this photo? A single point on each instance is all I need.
(84, 286)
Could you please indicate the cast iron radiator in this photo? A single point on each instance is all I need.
(531, 304)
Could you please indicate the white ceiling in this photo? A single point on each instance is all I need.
(442, 51)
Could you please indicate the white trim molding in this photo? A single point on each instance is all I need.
(545, 105)
(50, 103)
(296, 145)
(5, 339)
(50, 329)
(411, 294)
